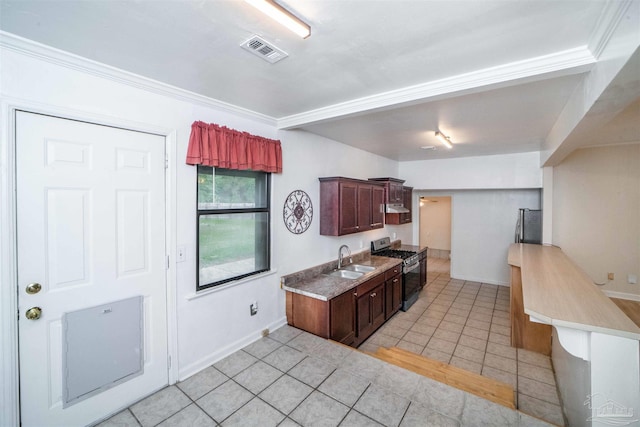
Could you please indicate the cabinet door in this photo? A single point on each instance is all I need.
(377, 208)
(377, 307)
(348, 207)
(393, 295)
(363, 322)
(364, 207)
(407, 199)
(395, 192)
(342, 316)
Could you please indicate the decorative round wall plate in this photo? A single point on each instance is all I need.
(297, 212)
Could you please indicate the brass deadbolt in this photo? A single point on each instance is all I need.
(33, 313)
(33, 288)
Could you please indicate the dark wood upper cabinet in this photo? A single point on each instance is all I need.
(407, 200)
(350, 206)
(377, 206)
(396, 193)
(393, 189)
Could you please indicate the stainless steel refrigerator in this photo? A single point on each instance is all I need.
(529, 226)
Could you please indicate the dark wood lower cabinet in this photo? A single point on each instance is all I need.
(393, 290)
(343, 327)
(349, 318)
(393, 295)
(370, 308)
(423, 268)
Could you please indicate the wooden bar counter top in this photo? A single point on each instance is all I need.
(555, 291)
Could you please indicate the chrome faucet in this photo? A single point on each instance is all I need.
(340, 255)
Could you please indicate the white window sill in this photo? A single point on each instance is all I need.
(220, 288)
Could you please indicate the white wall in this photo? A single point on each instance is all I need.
(482, 228)
(435, 223)
(212, 324)
(521, 170)
(596, 216)
(307, 157)
(486, 194)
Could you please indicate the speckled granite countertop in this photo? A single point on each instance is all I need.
(314, 282)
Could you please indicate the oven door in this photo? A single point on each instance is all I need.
(410, 285)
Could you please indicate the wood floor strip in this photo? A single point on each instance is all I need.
(484, 387)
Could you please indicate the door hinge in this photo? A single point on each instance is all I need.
(167, 262)
(169, 362)
(166, 162)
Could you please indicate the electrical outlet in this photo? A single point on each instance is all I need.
(632, 279)
(253, 308)
(610, 276)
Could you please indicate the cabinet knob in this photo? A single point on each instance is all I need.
(373, 295)
(395, 280)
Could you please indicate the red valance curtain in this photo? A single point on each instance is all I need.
(219, 146)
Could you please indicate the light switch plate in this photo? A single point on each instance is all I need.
(181, 254)
(632, 279)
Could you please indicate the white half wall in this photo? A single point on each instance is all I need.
(482, 228)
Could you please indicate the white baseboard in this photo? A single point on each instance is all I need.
(621, 295)
(193, 368)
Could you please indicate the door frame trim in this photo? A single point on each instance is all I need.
(9, 351)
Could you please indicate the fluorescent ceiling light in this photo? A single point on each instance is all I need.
(446, 141)
(283, 16)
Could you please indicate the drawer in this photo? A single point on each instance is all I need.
(369, 285)
(394, 271)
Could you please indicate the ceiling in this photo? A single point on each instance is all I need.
(380, 75)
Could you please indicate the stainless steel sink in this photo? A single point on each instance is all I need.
(346, 274)
(359, 267)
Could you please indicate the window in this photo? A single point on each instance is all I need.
(233, 225)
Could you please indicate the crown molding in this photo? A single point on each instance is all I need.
(572, 61)
(68, 60)
(612, 14)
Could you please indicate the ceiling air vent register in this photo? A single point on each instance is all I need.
(263, 49)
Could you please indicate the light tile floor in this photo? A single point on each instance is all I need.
(467, 324)
(292, 378)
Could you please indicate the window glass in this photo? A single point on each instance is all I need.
(233, 225)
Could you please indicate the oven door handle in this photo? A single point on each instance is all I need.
(408, 268)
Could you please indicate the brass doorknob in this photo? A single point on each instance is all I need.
(33, 288)
(33, 313)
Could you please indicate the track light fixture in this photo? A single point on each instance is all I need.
(283, 16)
(446, 141)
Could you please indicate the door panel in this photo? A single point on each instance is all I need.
(90, 230)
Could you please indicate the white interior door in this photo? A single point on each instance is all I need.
(90, 231)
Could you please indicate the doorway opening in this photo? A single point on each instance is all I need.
(435, 233)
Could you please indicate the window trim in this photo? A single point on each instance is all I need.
(203, 212)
